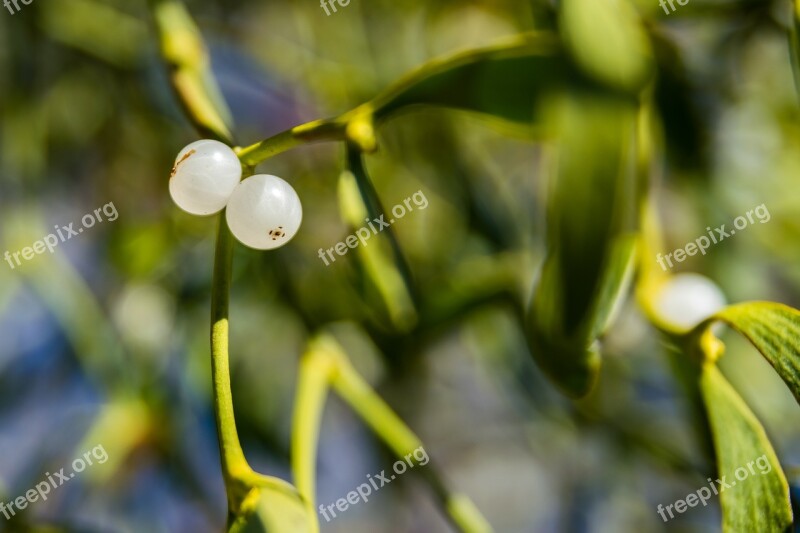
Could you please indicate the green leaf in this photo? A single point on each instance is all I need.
(607, 42)
(592, 223)
(774, 329)
(506, 81)
(183, 49)
(510, 83)
(98, 29)
(383, 275)
(758, 496)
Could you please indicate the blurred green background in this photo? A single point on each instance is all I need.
(106, 340)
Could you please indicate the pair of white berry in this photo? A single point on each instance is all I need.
(264, 211)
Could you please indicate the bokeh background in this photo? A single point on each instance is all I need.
(105, 341)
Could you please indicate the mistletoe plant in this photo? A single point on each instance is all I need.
(587, 89)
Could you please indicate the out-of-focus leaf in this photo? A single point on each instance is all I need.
(275, 507)
(607, 42)
(24, 146)
(759, 500)
(119, 428)
(74, 108)
(384, 276)
(510, 83)
(139, 249)
(473, 284)
(774, 329)
(96, 28)
(506, 81)
(183, 49)
(592, 223)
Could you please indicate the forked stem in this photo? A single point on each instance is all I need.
(325, 366)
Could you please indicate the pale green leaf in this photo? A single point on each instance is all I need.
(507, 81)
(183, 49)
(607, 41)
(757, 498)
(774, 329)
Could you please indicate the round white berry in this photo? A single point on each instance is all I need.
(687, 299)
(264, 212)
(204, 176)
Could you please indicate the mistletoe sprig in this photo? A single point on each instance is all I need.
(589, 87)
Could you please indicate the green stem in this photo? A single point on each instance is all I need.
(312, 388)
(328, 357)
(316, 131)
(235, 468)
(183, 50)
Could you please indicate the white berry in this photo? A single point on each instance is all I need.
(204, 176)
(264, 212)
(686, 299)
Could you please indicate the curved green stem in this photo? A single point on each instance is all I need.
(325, 365)
(183, 50)
(313, 385)
(235, 468)
(316, 131)
(355, 126)
(377, 414)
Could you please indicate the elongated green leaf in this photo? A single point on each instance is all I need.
(98, 29)
(607, 42)
(756, 497)
(774, 329)
(385, 281)
(507, 81)
(510, 83)
(592, 222)
(183, 49)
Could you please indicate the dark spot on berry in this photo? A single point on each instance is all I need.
(189, 154)
(276, 233)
